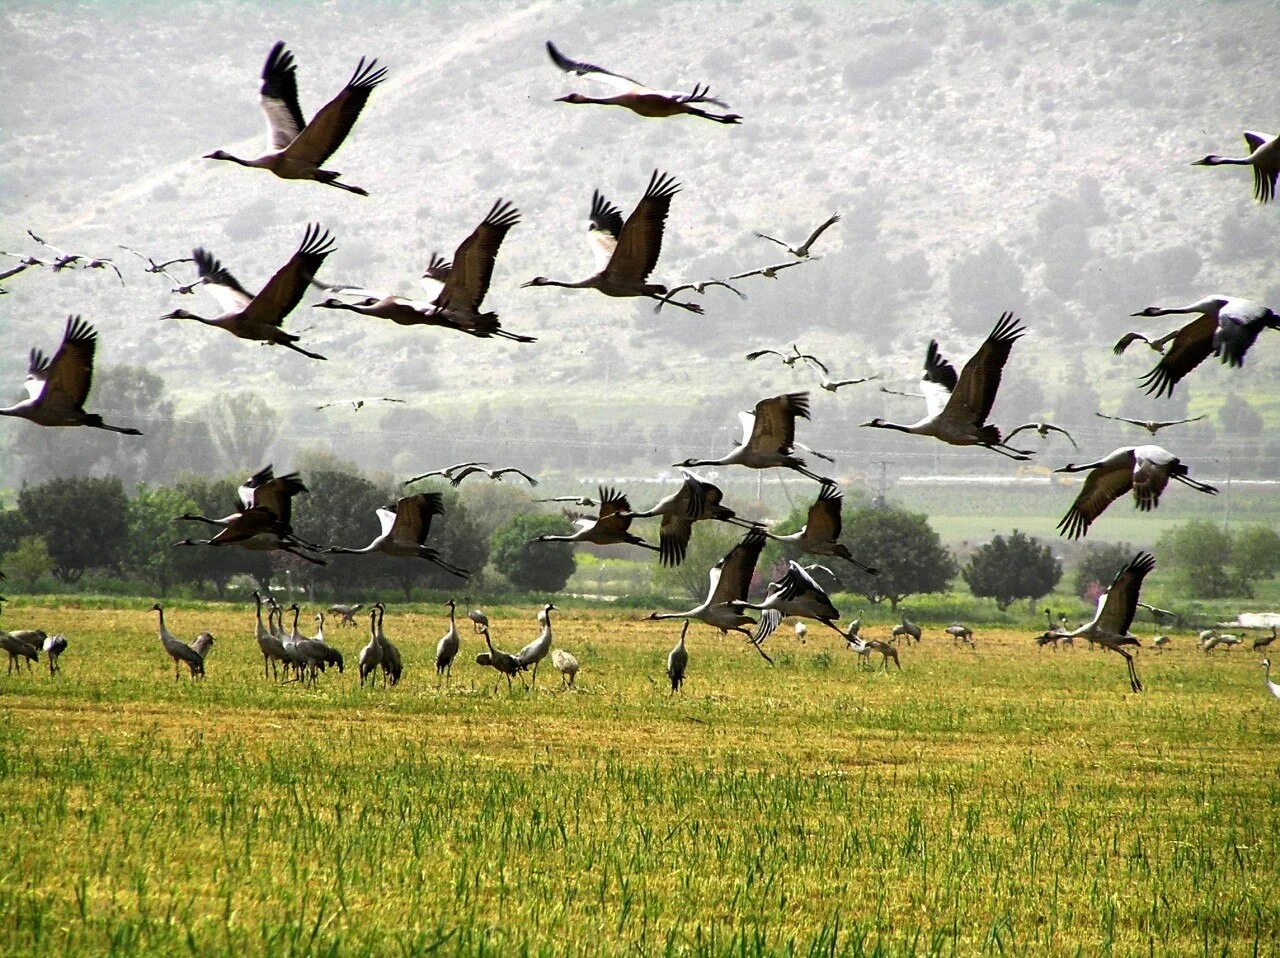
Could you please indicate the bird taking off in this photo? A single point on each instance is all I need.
(636, 96)
(802, 251)
(768, 437)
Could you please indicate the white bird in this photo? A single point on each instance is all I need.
(1264, 157)
(57, 388)
(1272, 687)
(1227, 326)
(405, 527)
(1152, 426)
(1144, 469)
(768, 437)
(678, 660)
(699, 288)
(447, 647)
(637, 97)
(802, 251)
(537, 650)
(358, 404)
(795, 594)
(299, 148)
(1110, 624)
(801, 631)
(447, 472)
(958, 406)
(769, 272)
(820, 535)
(567, 665)
(729, 580)
(609, 527)
(626, 253)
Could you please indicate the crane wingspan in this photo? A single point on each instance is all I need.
(1121, 601)
(226, 290)
(321, 137)
(774, 428)
(1103, 487)
(469, 277)
(583, 69)
(285, 289)
(279, 97)
(69, 374)
(975, 391)
(1191, 346)
(640, 242)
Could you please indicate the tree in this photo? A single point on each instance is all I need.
(533, 566)
(151, 552)
(1006, 570)
(904, 547)
(29, 561)
(243, 425)
(1255, 554)
(1098, 566)
(1198, 553)
(84, 521)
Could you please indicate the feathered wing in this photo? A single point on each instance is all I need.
(1121, 600)
(321, 137)
(1192, 345)
(1150, 476)
(472, 269)
(975, 391)
(606, 227)
(414, 514)
(774, 426)
(69, 374)
(1232, 339)
(583, 69)
(286, 288)
(279, 97)
(276, 495)
(226, 290)
(835, 218)
(736, 569)
(615, 511)
(1104, 486)
(824, 522)
(938, 381)
(640, 242)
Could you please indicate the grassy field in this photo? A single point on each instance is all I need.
(1008, 800)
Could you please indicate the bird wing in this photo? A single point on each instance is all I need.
(606, 226)
(1052, 428)
(753, 356)
(771, 239)
(512, 470)
(217, 279)
(245, 493)
(321, 137)
(61, 253)
(673, 539)
(1150, 475)
(69, 374)
(1133, 422)
(975, 391)
(279, 97)
(736, 569)
(938, 381)
(1125, 341)
(468, 279)
(774, 428)
(820, 230)
(640, 241)
(413, 516)
(459, 475)
(276, 495)
(438, 268)
(1232, 339)
(1191, 346)
(824, 521)
(1121, 601)
(1255, 140)
(614, 513)
(583, 69)
(815, 361)
(285, 289)
(1104, 486)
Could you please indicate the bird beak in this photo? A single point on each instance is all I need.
(1067, 468)
(1139, 313)
(870, 423)
(526, 285)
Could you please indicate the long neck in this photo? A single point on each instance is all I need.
(257, 601)
(580, 284)
(489, 642)
(295, 621)
(896, 426)
(338, 550)
(163, 630)
(1210, 305)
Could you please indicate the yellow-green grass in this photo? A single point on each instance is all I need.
(1007, 799)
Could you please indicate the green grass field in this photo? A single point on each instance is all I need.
(1009, 800)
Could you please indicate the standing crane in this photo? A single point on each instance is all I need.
(678, 660)
(272, 648)
(371, 654)
(1272, 687)
(299, 148)
(178, 650)
(908, 629)
(392, 665)
(447, 647)
(23, 644)
(53, 648)
(626, 253)
(504, 662)
(537, 650)
(768, 438)
(567, 665)
(960, 633)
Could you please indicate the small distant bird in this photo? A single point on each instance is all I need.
(358, 404)
(346, 613)
(908, 629)
(494, 474)
(768, 272)
(153, 266)
(896, 392)
(831, 386)
(57, 388)
(678, 661)
(768, 437)
(636, 96)
(1129, 338)
(1264, 157)
(261, 317)
(1161, 642)
(447, 472)
(802, 251)
(1263, 641)
(298, 148)
(1151, 426)
(958, 406)
(1042, 429)
(1144, 469)
(64, 260)
(585, 501)
(1227, 327)
(1272, 687)
(447, 647)
(801, 631)
(698, 288)
(791, 359)
(567, 665)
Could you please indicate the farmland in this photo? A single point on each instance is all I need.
(1001, 800)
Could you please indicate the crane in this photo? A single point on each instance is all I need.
(1264, 158)
(802, 251)
(696, 500)
(53, 648)
(447, 647)
(537, 650)
(405, 527)
(609, 527)
(178, 650)
(1152, 426)
(567, 665)
(768, 438)
(820, 535)
(678, 660)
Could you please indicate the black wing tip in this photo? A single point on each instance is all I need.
(78, 330)
(280, 61)
(366, 76)
(317, 241)
(661, 185)
(1008, 328)
(503, 213)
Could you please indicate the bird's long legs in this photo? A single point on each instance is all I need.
(1020, 456)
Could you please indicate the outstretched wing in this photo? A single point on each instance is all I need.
(640, 242)
(938, 381)
(279, 97)
(321, 137)
(583, 69)
(285, 289)
(1104, 486)
(775, 421)
(69, 374)
(1191, 346)
(1121, 601)
(824, 521)
(217, 279)
(736, 569)
(606, 227)
(975, 391)
(468, 278)
(820, 230)
(413, 516)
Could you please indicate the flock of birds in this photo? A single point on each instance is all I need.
(958, 405)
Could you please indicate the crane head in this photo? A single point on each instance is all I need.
(536, 281)
(1147, 311)
(572, 98)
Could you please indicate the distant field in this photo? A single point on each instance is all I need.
(1004, 800)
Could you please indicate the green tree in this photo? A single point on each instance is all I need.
(1098, 565)
(533, 566)
(1006, 570)
(29, 561)
(151, 553)
(84, 521)
(1199, 552)
(1255, 555)
(904, 547)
